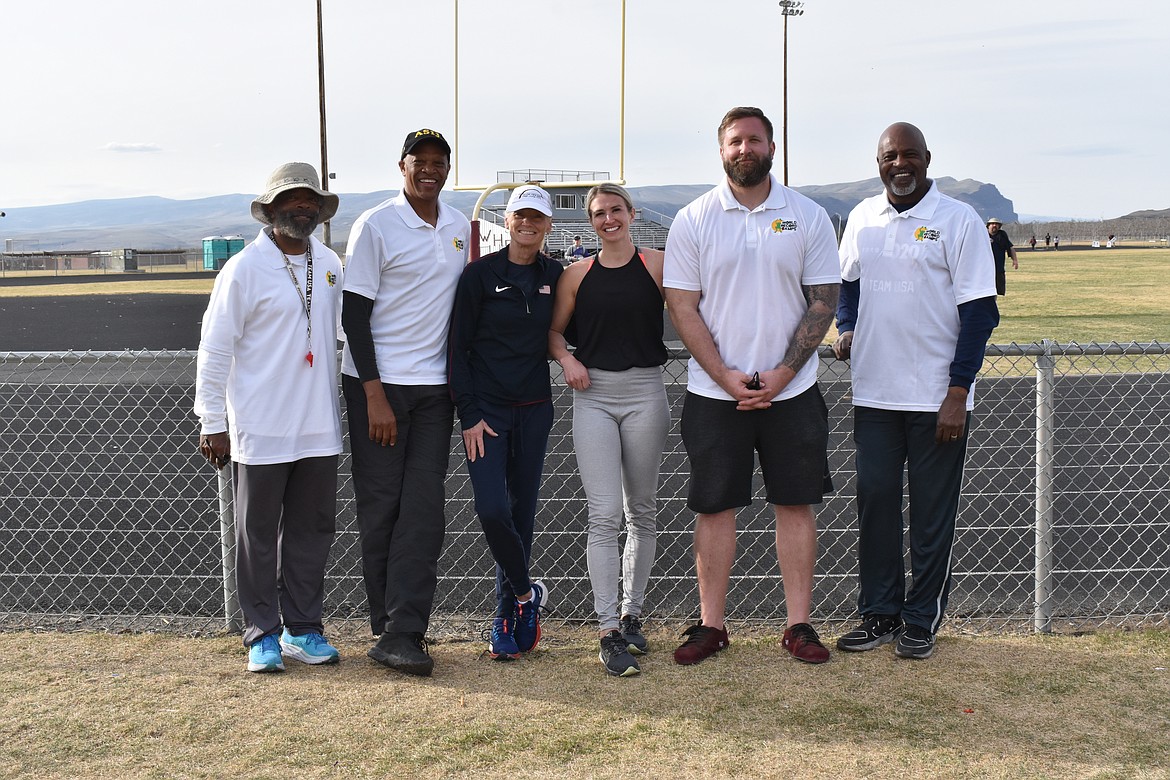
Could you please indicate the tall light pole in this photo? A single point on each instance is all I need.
(321, 92)
(787, 8)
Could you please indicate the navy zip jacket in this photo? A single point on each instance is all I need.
(497, 350)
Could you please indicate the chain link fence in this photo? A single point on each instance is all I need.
(111, 518)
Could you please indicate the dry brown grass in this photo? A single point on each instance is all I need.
(136, 285)
(150, 706)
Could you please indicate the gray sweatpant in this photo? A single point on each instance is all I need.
(619, 431)
(285, 521)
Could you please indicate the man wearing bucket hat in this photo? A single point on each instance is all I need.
(266, 397)
(1001, 247)
(403, 262)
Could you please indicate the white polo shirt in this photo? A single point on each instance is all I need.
(749, 266)
(915, 268)
(251, 368)
(409, 269)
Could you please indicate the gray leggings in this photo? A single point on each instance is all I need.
(619, 431)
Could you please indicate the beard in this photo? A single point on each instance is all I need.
(902, 192)
(286, 224)
(747, 171)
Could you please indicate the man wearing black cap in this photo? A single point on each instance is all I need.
(402, 265)
(266, 397)
(576, 251)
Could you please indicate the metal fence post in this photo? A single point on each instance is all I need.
(227, 547)
(1045, 442)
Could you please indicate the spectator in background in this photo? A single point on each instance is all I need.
(576, 252)
(917, 307)
(620, 414)
(1055, 243)
(499, 377)
(404, 260)
(266, 397)
(751, 276)
(1001, 247)
(1032, 243)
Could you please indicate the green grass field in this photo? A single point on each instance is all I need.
(1084, 296)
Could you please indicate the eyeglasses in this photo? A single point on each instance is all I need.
(754, 382)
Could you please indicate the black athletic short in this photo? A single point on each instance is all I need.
(791, 437)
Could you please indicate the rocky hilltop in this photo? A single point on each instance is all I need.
(162, 223)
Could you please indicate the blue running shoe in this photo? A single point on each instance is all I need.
(308, 648)
(502, 643)
(264, 655)
(528, 617)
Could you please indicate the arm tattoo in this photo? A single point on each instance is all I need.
(810, 332)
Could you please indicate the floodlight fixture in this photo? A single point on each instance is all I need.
(787, 8)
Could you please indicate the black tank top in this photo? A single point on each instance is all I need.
(618, 315)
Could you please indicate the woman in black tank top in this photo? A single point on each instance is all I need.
(620, 413)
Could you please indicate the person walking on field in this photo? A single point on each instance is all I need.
(751, 278)
(404, 260)
(917, 308)
(266, 397)
(620, 413)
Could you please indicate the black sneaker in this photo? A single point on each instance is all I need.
(403, 652)
(874, 631)
(631, 629)
(914, 642)
(615, 656)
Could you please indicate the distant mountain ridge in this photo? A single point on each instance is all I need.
(153, 222)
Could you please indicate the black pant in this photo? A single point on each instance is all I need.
(888, 442)
(400, 496)
(506, 481)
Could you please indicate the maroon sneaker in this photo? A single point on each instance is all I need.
(702, 641)
(802, 641)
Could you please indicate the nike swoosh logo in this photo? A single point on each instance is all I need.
(501, 289)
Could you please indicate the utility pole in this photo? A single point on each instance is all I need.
(328, 237)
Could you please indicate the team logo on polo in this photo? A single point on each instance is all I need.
(781, 225)
(458, 242)
(927, 234)
(331, 278)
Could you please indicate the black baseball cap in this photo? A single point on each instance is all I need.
(423, 136)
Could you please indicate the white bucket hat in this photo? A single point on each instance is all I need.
(292, 176)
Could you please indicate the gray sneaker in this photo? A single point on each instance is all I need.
(914, 642)
(615, 656)
(874, 631)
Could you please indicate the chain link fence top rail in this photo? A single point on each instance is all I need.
(111, 517)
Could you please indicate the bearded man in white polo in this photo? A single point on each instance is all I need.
(266, 397)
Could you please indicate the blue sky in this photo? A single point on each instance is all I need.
(1060, 103)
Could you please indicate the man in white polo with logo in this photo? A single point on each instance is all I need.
(917, 308)
(403, 262)
(751, 277)
(266, 397)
